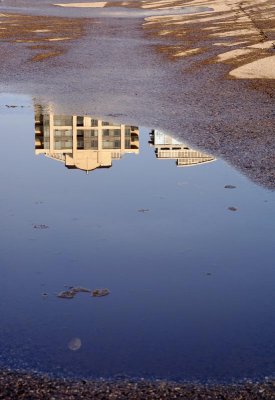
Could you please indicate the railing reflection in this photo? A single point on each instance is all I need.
(166, 147)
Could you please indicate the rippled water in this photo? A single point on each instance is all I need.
(191, 281)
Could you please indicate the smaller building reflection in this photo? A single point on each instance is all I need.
(167, 147)
(83, 142)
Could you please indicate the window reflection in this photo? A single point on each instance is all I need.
(83, 142)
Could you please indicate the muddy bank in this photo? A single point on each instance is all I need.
(26, 386)
(185, 74)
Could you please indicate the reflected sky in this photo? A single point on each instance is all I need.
(191, 282)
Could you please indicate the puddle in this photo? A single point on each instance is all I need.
(103, 10)
(190, 280)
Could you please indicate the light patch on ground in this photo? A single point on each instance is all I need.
(269, 44)
(260, 69)
(58, 39)
(154, 4)
(185, 53)
(163, 33)
(202, 19)
(44, 56)
(229, 55)
(24, 41)
(229, 44)
(240, 32)
(41, 30)
(99, 4)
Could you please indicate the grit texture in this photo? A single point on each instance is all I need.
(32, 387)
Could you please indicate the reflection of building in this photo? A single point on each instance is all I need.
(168, 148)
(83, 142)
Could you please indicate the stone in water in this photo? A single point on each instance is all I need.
(74, 344)
(230, 187)
(100, 292)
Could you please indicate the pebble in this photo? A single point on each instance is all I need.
(100, 292)
(40, 226)
(71, 292)
(15, 385)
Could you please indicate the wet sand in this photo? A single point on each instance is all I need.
(27, 386)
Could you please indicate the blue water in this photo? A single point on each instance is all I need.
(192, 283)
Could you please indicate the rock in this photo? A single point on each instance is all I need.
(71, 292)
(67, 294)
(74, 344)
(100, 292)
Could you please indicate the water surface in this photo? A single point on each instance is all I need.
(191, 282)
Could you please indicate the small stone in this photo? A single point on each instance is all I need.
(40, 226)
(232, 209)
(100, 292)
(67, 294)
(72, 291)
(74, 344)
(230, 187)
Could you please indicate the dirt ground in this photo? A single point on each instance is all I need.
(206, 76)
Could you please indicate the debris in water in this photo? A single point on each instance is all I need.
(74, 344)
(230, 187)
(71, 292)
(100, 292)
(232, 209)
(40, 226)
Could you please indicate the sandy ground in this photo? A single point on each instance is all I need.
(206, 77)
(251, 21)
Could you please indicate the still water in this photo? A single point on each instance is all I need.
(189, 263)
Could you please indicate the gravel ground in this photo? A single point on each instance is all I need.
(15, 385)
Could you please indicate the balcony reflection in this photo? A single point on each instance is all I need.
(166, 147)
(83, 142)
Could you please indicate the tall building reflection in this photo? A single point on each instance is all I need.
(83, 142)
(167, 147)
